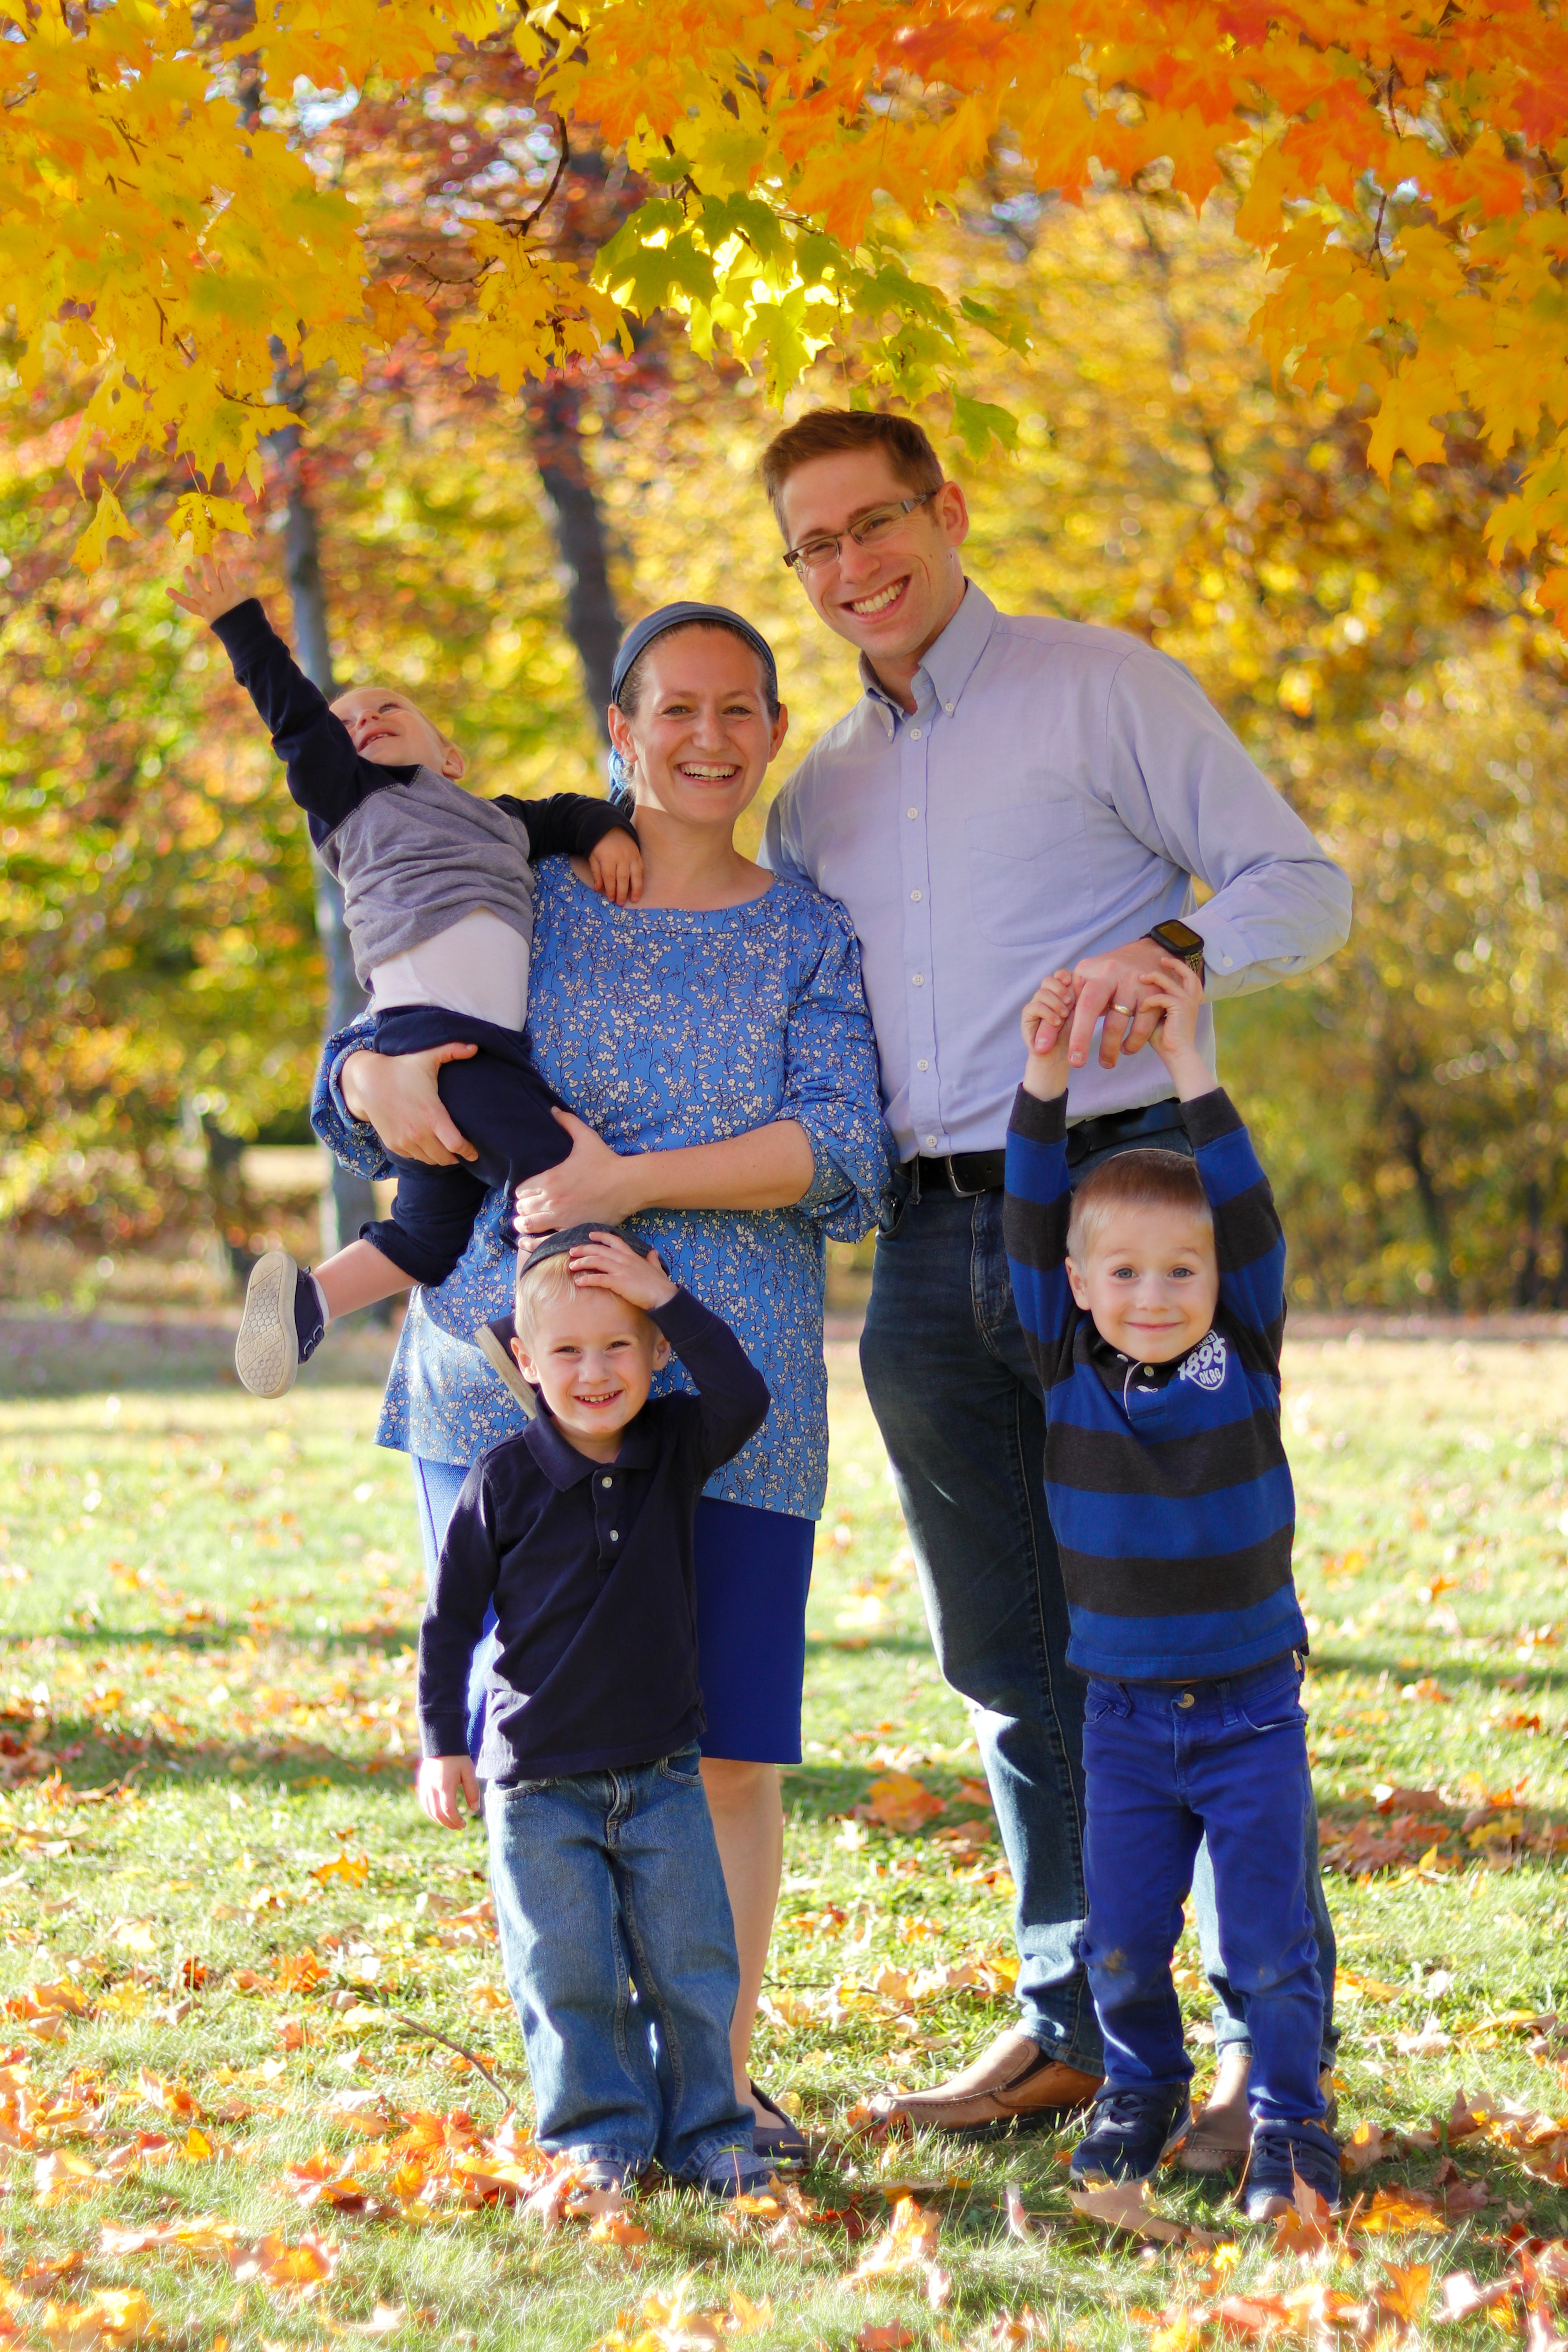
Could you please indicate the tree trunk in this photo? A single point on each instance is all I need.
(347, 1199)
(592, 621)
(1411, 1133)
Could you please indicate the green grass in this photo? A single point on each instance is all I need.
(207, 1611)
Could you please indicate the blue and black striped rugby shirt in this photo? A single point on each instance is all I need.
(1168, 1487)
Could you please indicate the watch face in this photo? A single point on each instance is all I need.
(1180, 937)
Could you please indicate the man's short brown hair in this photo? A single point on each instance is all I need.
(1135, 1179)
(828, 432)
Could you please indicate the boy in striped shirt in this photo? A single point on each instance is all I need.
(1153, 1302)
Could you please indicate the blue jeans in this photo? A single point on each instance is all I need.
(962, 1418)
(603, 1881)
(1224, 1762)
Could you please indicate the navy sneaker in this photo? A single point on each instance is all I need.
(1282, 2154)
(733, 2172)
(282, 1325)
(1129, 2133)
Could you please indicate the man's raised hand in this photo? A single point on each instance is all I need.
(212, 588)
(1109, 987)
(442, 1780)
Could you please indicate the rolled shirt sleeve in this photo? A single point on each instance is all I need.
(351, 1143)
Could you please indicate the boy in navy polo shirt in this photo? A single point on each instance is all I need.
(1153, 1304)
(603, 1863)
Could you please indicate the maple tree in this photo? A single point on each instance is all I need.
(1398, 163)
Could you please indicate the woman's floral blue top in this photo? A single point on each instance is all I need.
(661, 1029)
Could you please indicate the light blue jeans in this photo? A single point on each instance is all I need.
(603, 1883)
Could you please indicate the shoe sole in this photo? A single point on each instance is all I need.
(266, 1353)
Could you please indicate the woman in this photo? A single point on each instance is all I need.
(714, 1044)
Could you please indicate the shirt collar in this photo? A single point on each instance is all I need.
(948, 665)
(565, 1467)
(1115, 1368)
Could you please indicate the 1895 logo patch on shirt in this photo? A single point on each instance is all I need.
(1205, 1366)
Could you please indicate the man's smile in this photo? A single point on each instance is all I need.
(880, 600)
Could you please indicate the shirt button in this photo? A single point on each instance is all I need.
(615, 1534)
(915, 895)
(948, 708)
(1185, 1699)
(609, 1482)
(919, 978)
(923, 1065)
(931, 1140)
(914, 812)
(1147, 1374)
(915, 732)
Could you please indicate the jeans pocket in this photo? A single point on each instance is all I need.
(684, 1768)
(1105, 1700)
(1277, 1709)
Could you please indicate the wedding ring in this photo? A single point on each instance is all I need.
(1123, 1008)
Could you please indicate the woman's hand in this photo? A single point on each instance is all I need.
(592, 1184)
(397, 1095)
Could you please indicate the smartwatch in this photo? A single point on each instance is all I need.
(1180, 939)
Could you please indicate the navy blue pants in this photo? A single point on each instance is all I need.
(500, 1103)
(1166, 1767)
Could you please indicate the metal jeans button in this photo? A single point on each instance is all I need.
(1185, 1699)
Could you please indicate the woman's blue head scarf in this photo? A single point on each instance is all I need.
(654, 624)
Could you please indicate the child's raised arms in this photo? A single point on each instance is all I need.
(1179, 993)
(1046, 1034)
(212, 588)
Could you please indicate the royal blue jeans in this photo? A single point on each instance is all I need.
(1225, 1764)
(619, 1954)
(962, 1417)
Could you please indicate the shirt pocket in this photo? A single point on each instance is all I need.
(1029, 867)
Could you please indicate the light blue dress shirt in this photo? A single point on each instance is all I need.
(1053, 793)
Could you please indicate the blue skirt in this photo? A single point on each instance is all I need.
(754, 1573)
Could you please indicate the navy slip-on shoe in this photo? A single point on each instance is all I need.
(1282, 2154)
(1130, 2134)
(282, 1325)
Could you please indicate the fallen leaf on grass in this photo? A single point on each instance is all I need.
(910, 2244)
(1124, 2205)
(1463, 2295)
(1395, 2212)
(353, 1869)
(884, 2339)
(113, 2318)
(898, 1801)
(1428, 2044)
(1369, 2143)
(386, 2320)
(674, 2323)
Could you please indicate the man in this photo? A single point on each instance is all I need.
(1010, 797)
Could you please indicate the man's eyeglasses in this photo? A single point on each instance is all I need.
(882, 522)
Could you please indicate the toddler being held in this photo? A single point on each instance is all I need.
(438, 900)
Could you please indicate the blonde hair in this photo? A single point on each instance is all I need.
(1135, 1179)
(541, 1285)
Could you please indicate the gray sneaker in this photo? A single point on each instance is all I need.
(282, 1325)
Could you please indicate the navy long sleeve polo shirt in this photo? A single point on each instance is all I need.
(589, 1565)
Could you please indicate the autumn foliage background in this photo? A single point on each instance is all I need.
(401, 261)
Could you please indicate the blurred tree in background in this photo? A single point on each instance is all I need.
(160, 959)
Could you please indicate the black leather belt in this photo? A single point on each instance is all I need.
(1120, 1128)
(964, 1172)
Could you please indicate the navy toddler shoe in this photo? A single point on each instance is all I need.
(733, 2172)
(1281, 2155)
(1129, 2133)
(282, 1325)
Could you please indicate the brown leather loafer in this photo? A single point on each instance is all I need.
(1014, 2081)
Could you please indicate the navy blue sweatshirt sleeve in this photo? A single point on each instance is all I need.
(1035, 1211)
(732, 1400)
(565, 824)
(1249, 1240)
(454, 1619)
(326, 775)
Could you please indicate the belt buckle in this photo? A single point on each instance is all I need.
(964, 1191)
